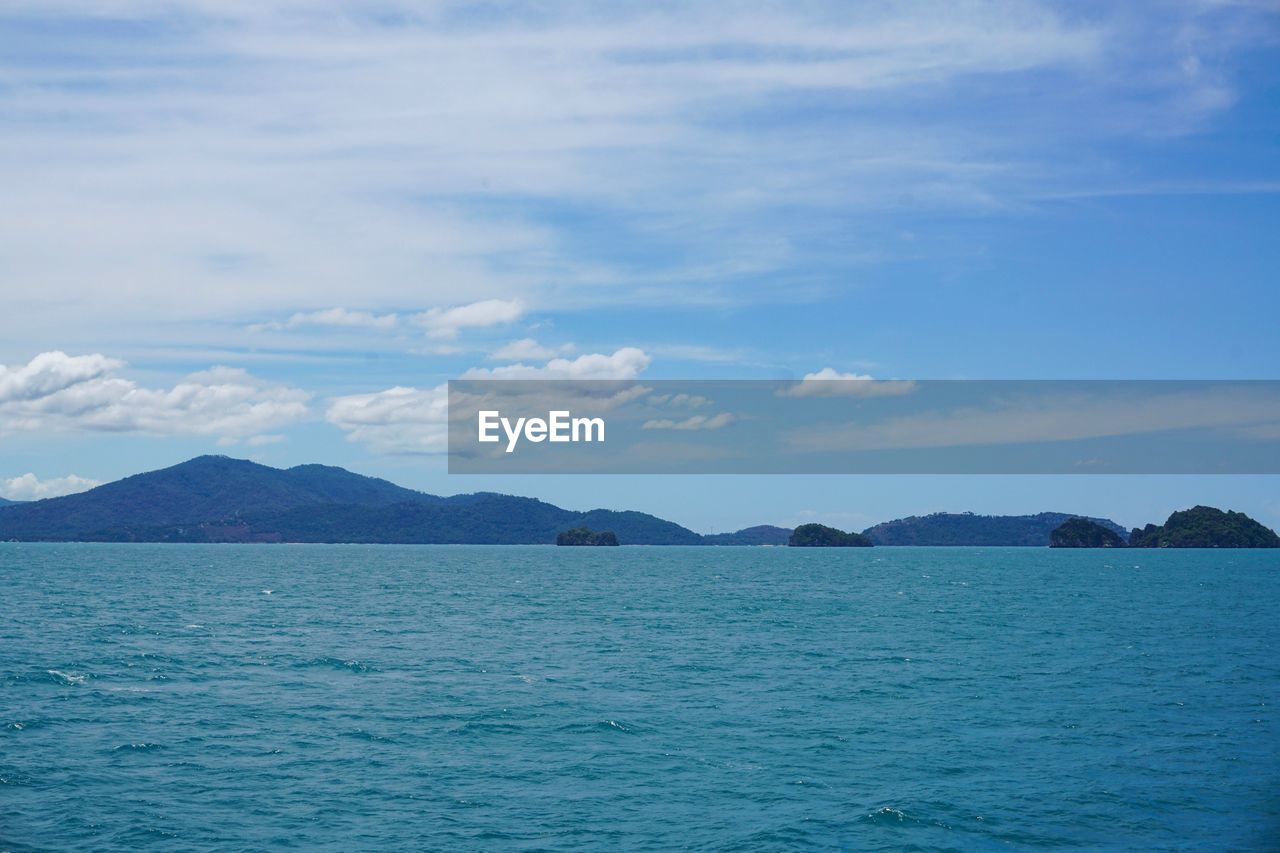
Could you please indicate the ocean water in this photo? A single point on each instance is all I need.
(389, 698)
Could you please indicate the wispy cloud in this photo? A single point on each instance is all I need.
(448, 322)
(397, 421)
(695, 422)
(276, 157)
(625, 363)
(340, 317)
(829, 382)
(528, 348)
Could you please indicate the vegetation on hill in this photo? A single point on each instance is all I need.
(762, 534)
(1083, 533)
(217, 499)
(586, 536)
(966, 528)
(1205, 527)
(637, 528)
(821, 536)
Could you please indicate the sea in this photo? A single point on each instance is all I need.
(366, 697)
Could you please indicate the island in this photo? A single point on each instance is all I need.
(971, 529)
(586, 536)
(1083, 533)
(821, 536)
(1205, 527)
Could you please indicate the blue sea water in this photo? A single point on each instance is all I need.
(385, 697)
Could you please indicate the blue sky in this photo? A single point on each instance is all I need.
(244, 223)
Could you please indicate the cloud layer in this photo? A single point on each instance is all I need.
(277, 158)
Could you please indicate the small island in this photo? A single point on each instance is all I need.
(1205, 527)
(1083, 533)
(821, 536)
(586, 536)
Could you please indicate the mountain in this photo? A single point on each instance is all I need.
(1205, 527)
(219, 499)
(201, 490)
(965, 528)
(1083, 533)
(763, 534)
(821, 536)
(6, 502)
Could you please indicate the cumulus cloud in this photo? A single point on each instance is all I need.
(51, 372)
(528, 348)
(626, 363)
(29, 487)
(55, 391)
(723, 419)
(829, 382)
(447, 322)
(398, 420)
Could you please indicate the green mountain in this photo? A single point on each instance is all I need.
(762, 534)
(821, 536)
(218, 499)
(1083, 533)
(966, 528)
(1205, 527)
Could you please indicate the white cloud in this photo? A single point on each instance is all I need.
(723, 419)
(693, 401)
(340, 317)
(277, 156)
(530, 349)
(55, 391)
(395, 421)
(29, 487)
(51, 372)
(829, 382)
(626, 363)
(447, 322)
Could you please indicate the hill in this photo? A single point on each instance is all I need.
(1083, 533)
(1205, 527)
(762, 534)
(219, 499)
(821, 536)
(201, 490)
(6, 502)
(966, 528)
(585, 536)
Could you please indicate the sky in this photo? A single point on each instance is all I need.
(273, 229)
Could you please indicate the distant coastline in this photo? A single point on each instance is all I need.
(218, 499)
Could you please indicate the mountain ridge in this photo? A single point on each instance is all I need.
(222, 499)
